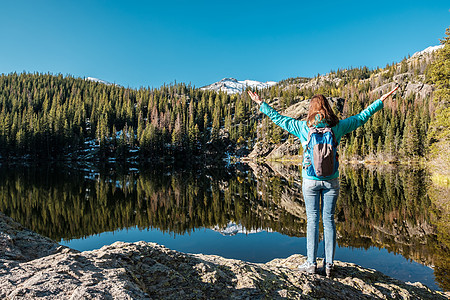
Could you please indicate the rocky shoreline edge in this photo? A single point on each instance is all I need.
(33, 266)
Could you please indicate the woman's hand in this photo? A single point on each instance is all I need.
(255, 97)
(388, 94)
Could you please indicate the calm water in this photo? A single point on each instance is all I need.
(386, 219)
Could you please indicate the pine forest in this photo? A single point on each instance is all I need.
(46, 116)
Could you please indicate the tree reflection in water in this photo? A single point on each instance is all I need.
(388, 207)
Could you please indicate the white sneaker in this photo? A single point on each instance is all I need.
(307, 267)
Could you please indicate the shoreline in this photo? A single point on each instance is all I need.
(35, 266)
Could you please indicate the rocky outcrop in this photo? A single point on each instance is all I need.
(260, 149)
(19, 244)
(319, 81)
(149, 271)
(407, 88)
(288, 150)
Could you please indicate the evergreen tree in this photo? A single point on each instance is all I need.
(439, 129)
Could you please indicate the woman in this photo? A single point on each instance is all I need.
(314, 188)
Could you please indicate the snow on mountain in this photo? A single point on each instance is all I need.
(427, 50)
(233, 86)
(97, 80)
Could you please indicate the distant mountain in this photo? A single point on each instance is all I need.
(97, 80)
(234, 86)
(427, 50)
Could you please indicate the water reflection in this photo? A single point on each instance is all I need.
(387, 208)
(65, 204)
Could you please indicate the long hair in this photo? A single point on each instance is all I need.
(320, 110)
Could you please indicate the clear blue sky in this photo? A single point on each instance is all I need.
(148, 43)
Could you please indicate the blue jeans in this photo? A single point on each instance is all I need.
(313, 192)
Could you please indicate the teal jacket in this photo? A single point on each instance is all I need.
(300, 129)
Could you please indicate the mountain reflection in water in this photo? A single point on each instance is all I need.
(386, 208)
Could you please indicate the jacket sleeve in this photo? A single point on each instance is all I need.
(292, 125)
(349, 124)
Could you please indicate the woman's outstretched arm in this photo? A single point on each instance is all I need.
(385, 96)
(290, 124)
(255, 97)
(349, 124)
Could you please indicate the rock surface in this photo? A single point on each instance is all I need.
(419, 89)
(287, 150)
(260, 149)
(149, 271)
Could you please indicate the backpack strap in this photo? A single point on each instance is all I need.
(311, 131)
(320, 130)
(332, 134)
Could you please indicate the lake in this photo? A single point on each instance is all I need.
(386, 218)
